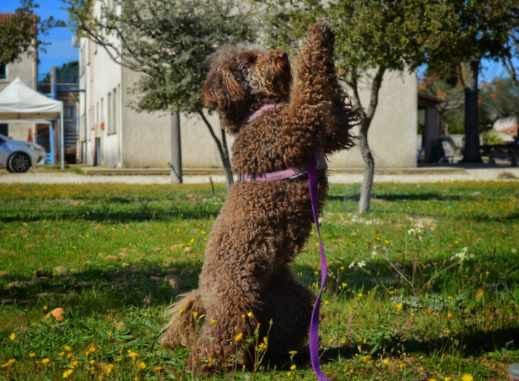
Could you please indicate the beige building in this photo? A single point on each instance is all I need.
(25, 68)
(112, 134)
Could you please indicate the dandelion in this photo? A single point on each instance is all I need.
(238, 337)
(74, 364)
(67, 348)
(107, 368)
(92, 348)
(68, 373)
(447, 379)
(467, 377)
(8, 364)
(45, 361)
(141, 365)
(398, 307)
(133, 355)
(12, 336)
(385, 361)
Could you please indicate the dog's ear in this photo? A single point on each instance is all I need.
(221, 90)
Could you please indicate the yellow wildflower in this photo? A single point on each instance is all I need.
(398, 307)
(238, 337)
(133, 355)
(68, 373)
(32, 354)
(385, 361)
(293, 367)
(107, 368)
(45, 360)
(431, 379)
(250, 314)
(141, 365)
(92, 348)
(8, 364)
(213, 321)
(92, 362)
(467, 377)
(74, 364)
(447, 379)
(12, 336)
(61, 354)
(67, 348)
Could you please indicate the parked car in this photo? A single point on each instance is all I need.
(18, 156)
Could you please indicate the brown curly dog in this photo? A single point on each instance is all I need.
(246, 288)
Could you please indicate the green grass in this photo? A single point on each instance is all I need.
(115, 256)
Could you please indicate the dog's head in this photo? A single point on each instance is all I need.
(240, 81)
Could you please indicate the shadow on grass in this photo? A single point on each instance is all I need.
(429, 196)
(94, 291)
(112, 214)
(472, 343)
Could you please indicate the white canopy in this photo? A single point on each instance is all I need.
(19, 102)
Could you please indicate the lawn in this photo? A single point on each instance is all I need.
(425, 287)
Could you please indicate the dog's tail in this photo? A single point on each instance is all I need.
(186, 317)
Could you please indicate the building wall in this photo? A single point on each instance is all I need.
(143, 140)
(147, 136)
(392, 133)
(26, 69)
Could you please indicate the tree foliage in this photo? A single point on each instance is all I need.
(168, 42)
(470, 32)
(20, 31)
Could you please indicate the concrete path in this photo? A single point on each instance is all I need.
(480, 174)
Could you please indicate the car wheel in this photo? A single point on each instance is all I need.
(18, 162)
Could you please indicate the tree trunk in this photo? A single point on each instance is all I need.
(366, 117)
(223, 150)
(369, 169)
(176, 149)
(471, 151)
(226, 160)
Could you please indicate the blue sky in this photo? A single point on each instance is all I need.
(61, 47)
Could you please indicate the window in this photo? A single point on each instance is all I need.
(109, 112)
(112, 106)
(3, 71)
(4, 129)
(69, 112)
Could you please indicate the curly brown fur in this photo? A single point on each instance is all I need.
(245, 280)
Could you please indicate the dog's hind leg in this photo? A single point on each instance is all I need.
(186, 316)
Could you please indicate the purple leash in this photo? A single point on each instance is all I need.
(314, 322)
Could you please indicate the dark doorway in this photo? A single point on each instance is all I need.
(4, 129)
(97, 156)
